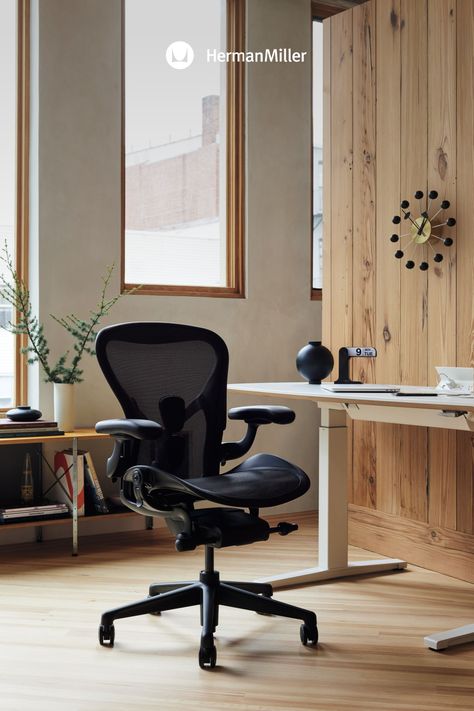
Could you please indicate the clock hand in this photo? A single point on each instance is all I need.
(420, 231)
(412, 221)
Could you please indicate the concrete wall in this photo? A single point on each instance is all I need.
(77, 170)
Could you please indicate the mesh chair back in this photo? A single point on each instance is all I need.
(175, 375)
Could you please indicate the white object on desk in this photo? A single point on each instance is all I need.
(455, 381)
(447, 412)
(358, 388)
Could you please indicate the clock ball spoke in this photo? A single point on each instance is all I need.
(419, 194)
(424, 266)
(394, 238)
(411, 246)
(448, 242)
(396, 219)
(445, 204)
(436, 214)
(404, 204)
(410, 264)
(438, 257)
(450, 221)
(399, 254)
(433, 194)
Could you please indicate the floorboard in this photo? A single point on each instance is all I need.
(370, 656)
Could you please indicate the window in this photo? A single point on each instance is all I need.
(317, 236)
(13, 194)
(183, 148)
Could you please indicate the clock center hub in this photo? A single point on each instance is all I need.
(421, 230)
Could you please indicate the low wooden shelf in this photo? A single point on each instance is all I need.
(66, 519)
(72, 437)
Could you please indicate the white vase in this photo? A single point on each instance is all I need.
(64, 406)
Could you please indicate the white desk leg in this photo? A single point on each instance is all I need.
(333, 546)
(74, 495)
(450, 638)
(333, 489)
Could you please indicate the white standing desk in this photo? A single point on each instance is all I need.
(446, 412)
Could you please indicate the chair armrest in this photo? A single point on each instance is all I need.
(135, 429)
(263, 414)
(254, 416)
(127, 433)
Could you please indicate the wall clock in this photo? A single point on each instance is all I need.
(425, 230)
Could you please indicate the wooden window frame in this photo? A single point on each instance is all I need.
(235, 172)
(321, 9)
(315, 294)
(22, 180)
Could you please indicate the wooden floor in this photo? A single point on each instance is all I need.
(370, 656)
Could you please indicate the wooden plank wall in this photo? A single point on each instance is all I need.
(399, 116)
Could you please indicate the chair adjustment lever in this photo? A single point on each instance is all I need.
(284, 528)
(185, 542)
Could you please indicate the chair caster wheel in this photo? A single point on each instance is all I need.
(106, 635)
(308, 635)
(207, 653)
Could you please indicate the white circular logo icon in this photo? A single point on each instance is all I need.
(180, 55)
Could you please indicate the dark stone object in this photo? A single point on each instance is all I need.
(314, 362)
(23, 413)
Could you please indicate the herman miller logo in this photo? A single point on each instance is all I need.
(180, 55)
(277, 55)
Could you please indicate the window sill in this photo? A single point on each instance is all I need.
(226, 292)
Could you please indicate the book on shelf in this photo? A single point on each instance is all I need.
(97, 495)
(62, 489)
(37, 428)
(92, 499)
(47, 510)
(27, 433)
(5, 423)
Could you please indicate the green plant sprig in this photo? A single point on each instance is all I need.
(82, 331)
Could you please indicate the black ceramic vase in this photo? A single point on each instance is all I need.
(23, 413)
(314, 362)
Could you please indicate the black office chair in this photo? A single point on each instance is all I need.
(171, 382)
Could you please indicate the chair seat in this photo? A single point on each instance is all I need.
(262, 480)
